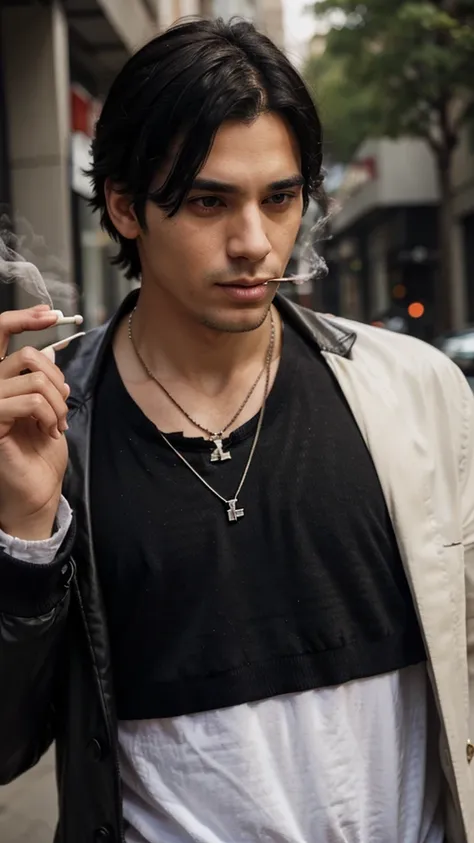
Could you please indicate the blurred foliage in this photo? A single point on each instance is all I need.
(393, 67)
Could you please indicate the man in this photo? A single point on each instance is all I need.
(259, 624)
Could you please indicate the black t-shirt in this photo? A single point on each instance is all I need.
(307, 590)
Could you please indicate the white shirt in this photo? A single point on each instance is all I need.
(351, 764)
(356, 763)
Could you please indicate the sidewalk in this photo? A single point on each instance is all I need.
(28, 806)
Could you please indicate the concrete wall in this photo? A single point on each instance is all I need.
(267, 14)
(35, 57)
(270, 20)
(169, 11)
(243, 8)
(131, 20)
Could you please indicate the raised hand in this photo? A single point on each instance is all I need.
(33, 411)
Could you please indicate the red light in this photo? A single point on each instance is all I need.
(416, 310)
(399, 291)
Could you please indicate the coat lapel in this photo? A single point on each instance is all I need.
(388, 409)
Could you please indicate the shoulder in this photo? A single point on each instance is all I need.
(415, 370)
(389, 348)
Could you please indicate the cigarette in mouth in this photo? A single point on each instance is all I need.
(67, 320)
(295, 280)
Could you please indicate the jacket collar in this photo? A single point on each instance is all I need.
(83, 367)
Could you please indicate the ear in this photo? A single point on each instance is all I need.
(121, 212)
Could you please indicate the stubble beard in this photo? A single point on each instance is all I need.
(225, 327)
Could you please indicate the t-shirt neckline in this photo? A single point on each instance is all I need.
(136, 419)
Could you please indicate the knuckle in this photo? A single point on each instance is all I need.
(40, 381)
(28, 355)
(37, 402)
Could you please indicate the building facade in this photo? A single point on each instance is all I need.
(57, 60)
(49, 51)
(383, 251)
(266, 14)
(242, 8)
(463, 231)
(270, 20)
(169, 11)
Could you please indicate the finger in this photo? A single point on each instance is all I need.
(32, 360)
(16, 321)
(30, 406)
(37, 382)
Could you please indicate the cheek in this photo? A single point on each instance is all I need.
(285, 232)
(188, 249)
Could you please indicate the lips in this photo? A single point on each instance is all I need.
(247, 284)
(246, 291)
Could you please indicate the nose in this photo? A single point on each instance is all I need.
(247, 238)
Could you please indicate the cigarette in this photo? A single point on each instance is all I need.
(67, 320)
(295, 280)
(58, 346)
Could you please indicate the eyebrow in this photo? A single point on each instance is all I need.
(213, 186)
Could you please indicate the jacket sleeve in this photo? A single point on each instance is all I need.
(34, 601)
(467, 491)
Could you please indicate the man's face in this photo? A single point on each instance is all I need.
(235, 229)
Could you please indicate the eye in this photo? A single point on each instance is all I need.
(280, 199)
(206, 203)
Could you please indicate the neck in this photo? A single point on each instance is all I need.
(174, 345)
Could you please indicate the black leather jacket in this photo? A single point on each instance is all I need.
(55, 675)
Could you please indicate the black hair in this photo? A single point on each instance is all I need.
(172, 96)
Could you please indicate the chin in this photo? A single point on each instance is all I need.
(237, 320)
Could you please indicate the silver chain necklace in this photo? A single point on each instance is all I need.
(234, 512)
(218, 454)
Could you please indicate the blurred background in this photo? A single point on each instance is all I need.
(394, 82)
(395, 87)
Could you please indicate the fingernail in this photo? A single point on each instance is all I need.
(63, 426)
(40, 307)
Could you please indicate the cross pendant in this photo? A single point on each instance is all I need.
(219, 455)
(233, 514)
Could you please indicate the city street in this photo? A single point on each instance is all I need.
(237, 420)
(28, 806)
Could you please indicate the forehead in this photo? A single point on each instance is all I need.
(260, 152)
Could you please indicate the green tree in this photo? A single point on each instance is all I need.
(400, 68)
(348, 111)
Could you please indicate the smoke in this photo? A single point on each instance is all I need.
(25, 261)
(313, 264)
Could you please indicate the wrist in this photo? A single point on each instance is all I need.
(37, 526)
